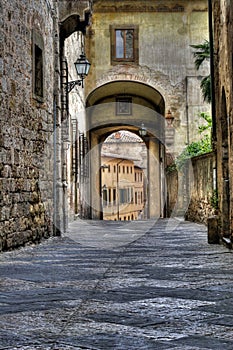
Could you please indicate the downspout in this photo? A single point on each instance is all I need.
(56, 108)
(54, 166)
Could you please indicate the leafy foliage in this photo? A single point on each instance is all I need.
(208, 124)
(202, 54)
(194, 149)
(206, 89)
(197, 148)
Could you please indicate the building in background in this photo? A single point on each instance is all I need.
(123, 189)
(124, 177)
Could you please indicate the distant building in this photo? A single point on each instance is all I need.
(123, 194)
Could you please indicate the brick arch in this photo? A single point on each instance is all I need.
(145, 100)
(137, 74)
(144, 75)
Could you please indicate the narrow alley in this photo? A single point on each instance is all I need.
(119, 285)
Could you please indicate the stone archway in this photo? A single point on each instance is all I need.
(73, 16)
(145, 105)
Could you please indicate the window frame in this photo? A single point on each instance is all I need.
(135, 58)
(126, 102)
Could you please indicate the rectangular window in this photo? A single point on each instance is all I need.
(123, 195)
(123, 106)
(136, 198)
(114, 195)
(38, 66)
(105, 197)
(38, 86)
(124, 44)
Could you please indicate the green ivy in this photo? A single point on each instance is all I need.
(208, 124)
(170, 168)
(194, 149)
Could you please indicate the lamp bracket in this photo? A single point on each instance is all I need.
(71, 84)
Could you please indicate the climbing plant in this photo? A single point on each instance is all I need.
(208, 122)
(196, 148)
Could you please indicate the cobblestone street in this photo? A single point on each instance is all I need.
(124, 286)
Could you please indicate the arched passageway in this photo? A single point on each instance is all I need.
(126, 105)
(124, 175)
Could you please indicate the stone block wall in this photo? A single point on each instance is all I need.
(26, 124)
(172, 192)
(202, 195)
(223, 107)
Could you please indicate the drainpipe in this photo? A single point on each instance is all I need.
(56, 107)
(54, 166)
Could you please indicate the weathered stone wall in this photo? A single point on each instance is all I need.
(223, 50)
(33, 160)
(171, 192)
(26, 124)
(202, 192)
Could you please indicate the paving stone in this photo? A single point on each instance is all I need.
(162, 290)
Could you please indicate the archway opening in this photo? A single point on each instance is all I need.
(126, 106)
(124, 174)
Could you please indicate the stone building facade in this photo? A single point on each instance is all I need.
(140, 52)
(27, 93)
(126, 155)
(32, 152)
(123, 196)
(223, 111)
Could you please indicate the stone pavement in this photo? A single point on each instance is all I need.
(119, 285)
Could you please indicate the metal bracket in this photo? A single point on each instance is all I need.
(71, 84)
